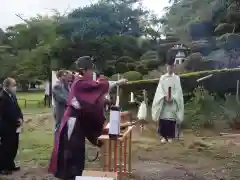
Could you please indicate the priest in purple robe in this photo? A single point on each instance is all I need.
(83, 118)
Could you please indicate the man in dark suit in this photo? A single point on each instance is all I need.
(11, 119)
(60, 95)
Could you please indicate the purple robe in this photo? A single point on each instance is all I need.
(68, 155)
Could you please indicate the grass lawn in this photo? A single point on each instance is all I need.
(31, 100)
(210, 156)
(36, 140)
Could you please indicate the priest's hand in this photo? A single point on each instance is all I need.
(19, 122)
(122, 81)
(168, 100)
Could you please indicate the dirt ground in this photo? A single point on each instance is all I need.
(207, 157)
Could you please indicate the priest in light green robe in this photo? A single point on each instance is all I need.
(168, 105)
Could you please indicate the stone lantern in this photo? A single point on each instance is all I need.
(181, 53)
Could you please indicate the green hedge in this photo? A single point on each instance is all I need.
(222, 81)
(133, 75)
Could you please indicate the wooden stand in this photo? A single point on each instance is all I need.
(116, 155)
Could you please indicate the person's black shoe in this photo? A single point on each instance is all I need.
(16, 168)
(5, 172)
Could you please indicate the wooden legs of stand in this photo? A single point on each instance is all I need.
(130, 154)
(116, 157)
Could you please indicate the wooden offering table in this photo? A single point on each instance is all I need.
(116, 154)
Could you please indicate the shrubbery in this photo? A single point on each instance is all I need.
(201, 110)
(205, 106)
(130, 76)
(222, 81)
(205, 111)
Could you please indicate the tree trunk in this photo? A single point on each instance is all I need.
(234, 28)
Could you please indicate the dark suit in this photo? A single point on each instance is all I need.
(10, 113)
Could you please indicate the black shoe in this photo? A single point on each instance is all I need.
(16, 168)
(5, 172)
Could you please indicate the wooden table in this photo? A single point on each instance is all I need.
(116, 155)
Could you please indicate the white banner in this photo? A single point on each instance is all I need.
(54, 81)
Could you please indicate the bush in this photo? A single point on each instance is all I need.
(142, 69)
(222, 81)
(205, 111)
(231, 112)
(132, 75)
(131, 66)
(153, 64)
(193, 61)
(121, 67)
(124, 59)
(114, 77)
(201, 110)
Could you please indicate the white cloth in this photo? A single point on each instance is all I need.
(75, 103)
(54, 81)
(142, 111)
(19, 129)
(71, 124)
(47, 89)
(112, 84)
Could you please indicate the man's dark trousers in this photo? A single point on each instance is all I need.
(8, 150)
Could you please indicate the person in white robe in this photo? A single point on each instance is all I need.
(168, 105)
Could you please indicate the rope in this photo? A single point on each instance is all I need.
(94, 159)
(91, 148)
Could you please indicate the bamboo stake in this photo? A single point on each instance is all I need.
(117, 96)
(204, 78)
(237, 92)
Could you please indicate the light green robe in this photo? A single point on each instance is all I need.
(160, 108)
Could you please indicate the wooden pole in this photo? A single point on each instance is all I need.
(204, 78)
(237, 92)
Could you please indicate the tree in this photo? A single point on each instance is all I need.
(182, 13)
(30, 45)
(109, 30)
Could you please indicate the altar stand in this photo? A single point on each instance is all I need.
(116, 155)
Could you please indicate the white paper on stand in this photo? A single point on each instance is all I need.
(114, 123)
